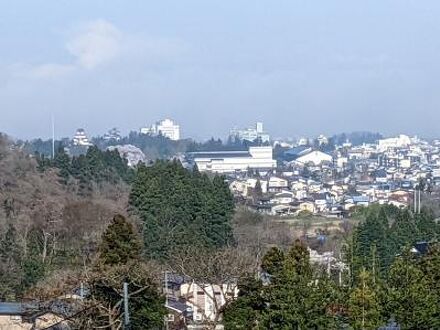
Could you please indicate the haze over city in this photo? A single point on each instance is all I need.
(219, 164)
(302, 67)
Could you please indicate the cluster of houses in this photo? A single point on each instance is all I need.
(306, 179)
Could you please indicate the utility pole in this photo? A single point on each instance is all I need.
(374, 263)
(166, 299)
(126, 314)
(81, 291)
(415, 200)
(420, 197)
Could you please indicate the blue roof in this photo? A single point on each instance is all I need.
(297, 151)
(10, 308)
(15, 308)
(361, 199)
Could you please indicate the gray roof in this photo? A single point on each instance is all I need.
(7, 308)
(180, 307)
(220, 154)
(15, 308)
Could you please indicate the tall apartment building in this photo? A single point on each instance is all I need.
(251, 133)
(166, 127)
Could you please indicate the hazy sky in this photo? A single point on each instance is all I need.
(302, 67)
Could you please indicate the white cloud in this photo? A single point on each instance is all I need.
(98, 43)
(95, 43)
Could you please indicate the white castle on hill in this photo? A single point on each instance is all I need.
(80, 138)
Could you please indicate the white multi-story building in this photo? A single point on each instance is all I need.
(322, 139)
(256, 158)
(396, 142)
(166, 127)
(251, 133)
(80, 138)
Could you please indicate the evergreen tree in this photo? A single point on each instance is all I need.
(273, 261)
(179, 206)
(292, 297)
(244, 313)
(411, 299)
(119, 243)
(363, 304)
(427, 228)
(372, 244)
(430, 267)
(118, 263)
(9, 265)
(257, 192)
(33, 266)
(62, 162)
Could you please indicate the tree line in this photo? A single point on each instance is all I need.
(92, 168)
(295, 294)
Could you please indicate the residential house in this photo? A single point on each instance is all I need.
(284, 197)
(23, 316)
(276, 184)
(322, 201)
(206, 300)
(307, 206)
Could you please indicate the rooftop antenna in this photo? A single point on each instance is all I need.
(53, 137)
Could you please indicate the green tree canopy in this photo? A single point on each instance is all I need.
(119, 243)
(180, 207)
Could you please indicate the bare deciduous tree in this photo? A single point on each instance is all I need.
(217, 274)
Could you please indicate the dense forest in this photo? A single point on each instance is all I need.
(92, 222)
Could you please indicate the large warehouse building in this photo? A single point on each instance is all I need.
(256, 158)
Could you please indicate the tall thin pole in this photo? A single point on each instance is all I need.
(53, 137)
(420, 198)
(126, 314)
(166, 298)
(415, 200)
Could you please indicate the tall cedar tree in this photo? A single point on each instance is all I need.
(120, 243)
(244, 313)
(413, 299)
(296, 297)
(273, 261)
(119, 262)
(364, 305)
